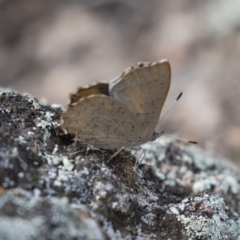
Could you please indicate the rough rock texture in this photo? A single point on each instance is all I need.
(52, 187)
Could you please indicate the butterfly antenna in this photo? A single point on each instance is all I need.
(156, 135)
(165, 114)
(178, 138)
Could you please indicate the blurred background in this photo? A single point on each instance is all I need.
(49, 47)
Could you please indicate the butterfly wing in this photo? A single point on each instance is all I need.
(102, 121)
(82, 92)
(144, 90)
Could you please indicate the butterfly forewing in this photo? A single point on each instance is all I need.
(143, 90)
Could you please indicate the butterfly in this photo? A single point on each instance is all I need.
(123, 112)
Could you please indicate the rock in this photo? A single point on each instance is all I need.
(52, 187)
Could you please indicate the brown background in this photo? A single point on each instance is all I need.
(48, 48)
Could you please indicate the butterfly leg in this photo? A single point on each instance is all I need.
(115, 154)
(139, 159)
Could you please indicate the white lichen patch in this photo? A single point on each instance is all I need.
(61, 161)
(217, 225)
(20, 139)
(202, 161)
(53, 159)
(159, 174)
(49, 115)
(154, 151)
(229, 184)
(45, 122)
(174, 210)
(86, 171)
(92, 148)
(114, 205)
(55, 105)
(32, 100)
(22, 231)
(225, 183)
(170, 182)
(204, 183)
(102, 189)
(30, 133)
(67, 165)
(55, 149)
(5, 111)
(14, 152)
(194, 168)
(214, 173)
(44, 125)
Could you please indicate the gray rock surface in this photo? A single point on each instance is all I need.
(52, 187)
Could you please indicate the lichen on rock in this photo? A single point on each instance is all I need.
(53, 187)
